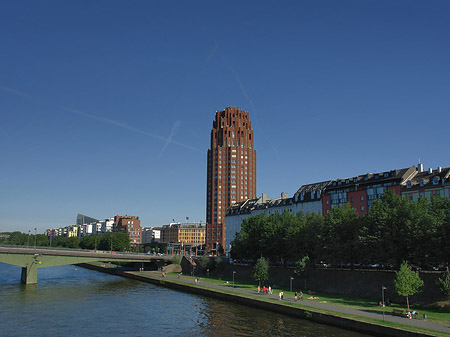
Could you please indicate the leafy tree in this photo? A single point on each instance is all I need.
(118, 241)
(261, 270)
(207, 262)
(341, 235)
(391, 221)
(90, 241)
(220, 250)
(177, 259)
(439, 209)
(407, 282)
(444, 284)
(302, 268)
(314, 223)
(221, 263)
(18, 238)
(72, 242)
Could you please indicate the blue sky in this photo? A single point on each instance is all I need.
(106, 107)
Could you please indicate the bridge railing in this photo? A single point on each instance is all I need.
(71, 249)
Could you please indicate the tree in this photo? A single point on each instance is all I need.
(303, 268)
(261, 270)
(391, 224)
(207, 263)
(407, 282)
(341, 235)
(177, 259)
(221, 263)
(114, 241)
(444, 284)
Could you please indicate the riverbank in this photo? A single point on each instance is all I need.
(343, 317)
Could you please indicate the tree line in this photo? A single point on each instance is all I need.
(107, 241)
(394, 230)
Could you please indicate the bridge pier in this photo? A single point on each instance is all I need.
(29, 274)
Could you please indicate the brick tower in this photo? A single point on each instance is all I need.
(231, 175)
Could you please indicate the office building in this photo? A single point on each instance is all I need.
(231, 173)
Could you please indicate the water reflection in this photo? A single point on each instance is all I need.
(74, 301)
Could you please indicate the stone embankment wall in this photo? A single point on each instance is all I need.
(357, 283)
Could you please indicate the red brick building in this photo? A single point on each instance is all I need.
(231, 174)
(360, 191)
(130, 225)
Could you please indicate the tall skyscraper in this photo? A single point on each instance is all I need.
(231, 171)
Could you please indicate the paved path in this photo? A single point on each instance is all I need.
(323, 305)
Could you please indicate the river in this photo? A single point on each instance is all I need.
(73, 301)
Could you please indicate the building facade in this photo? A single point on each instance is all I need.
(362, 190)
(130, 225)
(425, 184)
(307, 199)
(231, 173)
(359, 192)
(186, 233)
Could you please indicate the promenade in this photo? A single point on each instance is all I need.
(305, 303)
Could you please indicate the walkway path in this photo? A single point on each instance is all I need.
(320, 305)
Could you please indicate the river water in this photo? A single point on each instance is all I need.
(73, 301)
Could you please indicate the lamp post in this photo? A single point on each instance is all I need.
(234, 272)
(35, 237)
(28, 244)
(291, 282)
(383, 288)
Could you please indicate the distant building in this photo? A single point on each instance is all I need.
(107, 226)
(130, 225)
(307, 199)
(151, 235)
(231, 172)
(360, 191)
(427, 183)
(84, 219)
(186, 233)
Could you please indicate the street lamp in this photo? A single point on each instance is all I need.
(383, 288)
(28, 243)
(234, 272)
(35, 237)
(291, 282)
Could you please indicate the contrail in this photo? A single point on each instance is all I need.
(15, 92)
(212, 53)
(175, 127)
(244, 92)
(105, 120)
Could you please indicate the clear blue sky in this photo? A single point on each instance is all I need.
(106, 107)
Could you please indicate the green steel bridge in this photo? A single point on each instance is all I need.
(30, 259)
